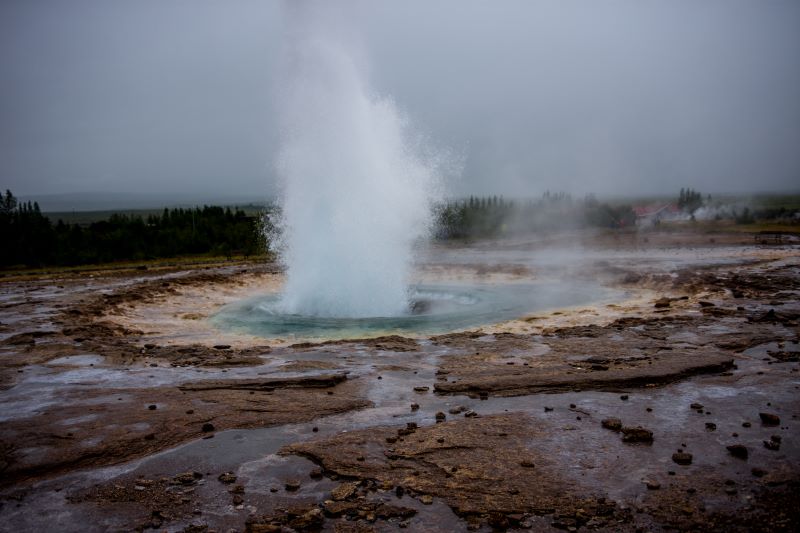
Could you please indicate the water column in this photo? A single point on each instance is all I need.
(356, 193)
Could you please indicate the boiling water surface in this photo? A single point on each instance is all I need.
(433, 309)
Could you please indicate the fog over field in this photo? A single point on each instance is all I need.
(608, 97)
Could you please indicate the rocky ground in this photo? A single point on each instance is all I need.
(673, 409)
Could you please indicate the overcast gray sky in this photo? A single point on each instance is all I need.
(611, 97)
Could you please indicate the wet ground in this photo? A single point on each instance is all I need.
(673, 406)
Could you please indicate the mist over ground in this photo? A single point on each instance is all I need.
(621, 97)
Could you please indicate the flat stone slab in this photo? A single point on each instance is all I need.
(474, 374)
(477, 465)
(109, 426)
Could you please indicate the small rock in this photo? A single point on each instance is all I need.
(711, 426)
(222, 346)
(769, 419)
(292, 485)
(457, 409)
(738, 451)
(421, 389)
(682, 458)
(208, 427)
(427, 499)
(470, 414)
(186, 478)
(746, 424)
(440, 416)
(772, 445)
(636, 434)
(547, 409)
(344, 491)
(652, 485)
(526, 463)
(614, 424)
(696, 406)
(310, 520)
(152, 407)
(414, 406)
(227, 477)
(623, 397)
(662, 303)
(316, 473)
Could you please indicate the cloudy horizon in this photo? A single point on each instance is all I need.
(614, 98)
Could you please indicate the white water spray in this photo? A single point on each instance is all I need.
(357, 193)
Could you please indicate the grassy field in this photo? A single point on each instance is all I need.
(757, 227)
(199, 261)
(727, 226)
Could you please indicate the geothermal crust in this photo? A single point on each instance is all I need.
(675, 408)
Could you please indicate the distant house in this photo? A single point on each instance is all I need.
(650, 215)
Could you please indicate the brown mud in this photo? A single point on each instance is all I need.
(676, 408)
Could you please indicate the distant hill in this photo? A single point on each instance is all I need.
(99, 201)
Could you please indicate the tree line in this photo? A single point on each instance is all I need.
(690, 200)
(31, 239)
(482, 217)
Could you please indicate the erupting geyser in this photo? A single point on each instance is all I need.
(357, 192)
